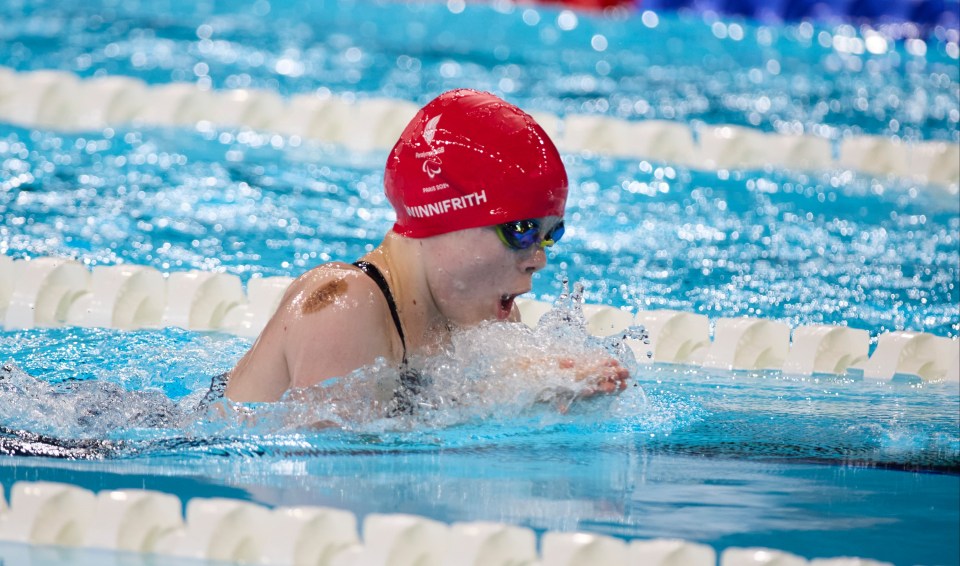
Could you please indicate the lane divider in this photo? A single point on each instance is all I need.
(55, 292)
(60, 100)
(153, 523)
(49, 292)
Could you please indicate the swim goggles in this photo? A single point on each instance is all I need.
(523, 234)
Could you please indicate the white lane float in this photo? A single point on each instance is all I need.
(671, 552)
(649, 139)
(953, 365)
(532, 310)
(6, 284)
(846, 561)
(731, 147)
(298, 115)
(917, 354)
(8, 78)
(174, 104)
(133, 519)
(759, 557)
(331, 120)
(263, 296)
(37, 98)
(362, 125)
(933, 162)
(253, 108)
(104, 101)
(797, 152)
(826, 349)
(43, 291)
(55, 291)
(125, 297)
(398, 540)
(307, 535)
(603, 320)
(675, 337)
(593, 133)
(550, 123)
(199, 300)
(376, 123)
(664, 140)
(582, 549)
(60, 100)
(218, 529)
(875, 155)
(47, 513)
(490, 544)
(748, 344)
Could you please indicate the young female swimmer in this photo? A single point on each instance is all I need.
(479, 191)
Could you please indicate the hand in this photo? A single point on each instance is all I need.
(603, 375)
(600, 375)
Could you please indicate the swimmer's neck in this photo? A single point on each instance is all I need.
(400, 260)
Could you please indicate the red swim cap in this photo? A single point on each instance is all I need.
(469, 159)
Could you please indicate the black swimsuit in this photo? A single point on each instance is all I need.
(411, 382)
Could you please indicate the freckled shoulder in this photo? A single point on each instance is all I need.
(325, 285)
(333, 320)
(324, 296)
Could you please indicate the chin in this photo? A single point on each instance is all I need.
(474, 320)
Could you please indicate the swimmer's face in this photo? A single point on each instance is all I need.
(474, 277)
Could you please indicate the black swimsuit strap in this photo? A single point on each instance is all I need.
(378, 278)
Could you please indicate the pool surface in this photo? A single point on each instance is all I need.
(822, 466)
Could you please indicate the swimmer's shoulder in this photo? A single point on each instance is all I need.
(334, 288)
(331, 321)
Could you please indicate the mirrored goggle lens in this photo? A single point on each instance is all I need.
(523, 234)
(554, 235)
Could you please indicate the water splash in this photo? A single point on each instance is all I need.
(494, 371)
(497, 374)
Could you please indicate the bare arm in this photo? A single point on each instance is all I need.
(337, 327)
(330, 322)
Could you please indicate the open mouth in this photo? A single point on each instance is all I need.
(505, 307)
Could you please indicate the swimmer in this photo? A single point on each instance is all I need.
(479, 191)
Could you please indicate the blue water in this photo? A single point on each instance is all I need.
(822, 466)
(801, 247)
(676, 68)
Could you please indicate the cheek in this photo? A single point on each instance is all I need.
(466, 287)
(471, 275)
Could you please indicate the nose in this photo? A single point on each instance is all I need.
(534, 259)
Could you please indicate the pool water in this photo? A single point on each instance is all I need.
(825, 80)
(876, 255)
(819, 466)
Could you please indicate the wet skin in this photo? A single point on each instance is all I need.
(334, 319)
